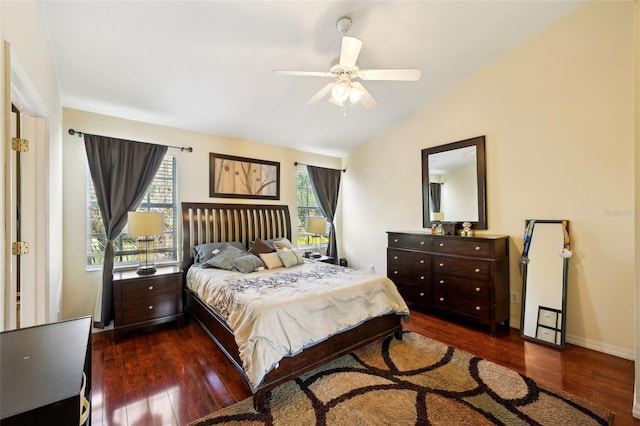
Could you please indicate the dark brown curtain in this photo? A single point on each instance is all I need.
(121, 171)
(435, 190)
(326, 186)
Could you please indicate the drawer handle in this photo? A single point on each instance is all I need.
(421, 243)
(442, 299)
(441, 244)
(150, 307)
(150, 287)
(477, 288)
(477, 308)
(441, 281)
(395, 272)
(477, 269)
(421, 294)
(477, 248)
(442, 264)
(395, 257)
(395, 240)
(422, 277)
(422, 261)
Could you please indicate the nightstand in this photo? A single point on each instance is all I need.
(325, 259)
(145, 300)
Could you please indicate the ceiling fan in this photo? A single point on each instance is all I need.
(344, 90)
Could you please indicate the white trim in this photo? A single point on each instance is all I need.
(600, 347)
(23, 93)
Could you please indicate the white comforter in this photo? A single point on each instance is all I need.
(279, 312)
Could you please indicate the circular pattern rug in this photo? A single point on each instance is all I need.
(414, 381)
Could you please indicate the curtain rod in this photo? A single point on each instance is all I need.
(302, 164)
(74, 132)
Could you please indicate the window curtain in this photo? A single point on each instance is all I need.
(435, 191)
(121, 171)
(326, 186)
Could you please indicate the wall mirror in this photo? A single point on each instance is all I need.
(454, 183)
(545, 263)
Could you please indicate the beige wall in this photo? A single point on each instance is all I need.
(80, 285)
(557, 112)
(23, 27)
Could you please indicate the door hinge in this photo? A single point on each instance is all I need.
(20, 145)
(19, 247)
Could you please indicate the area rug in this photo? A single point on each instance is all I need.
(414, 381)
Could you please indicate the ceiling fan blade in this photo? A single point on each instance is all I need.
(366, 100)
(304, 73)
(350, 50)
(320, 94)
(391, 74)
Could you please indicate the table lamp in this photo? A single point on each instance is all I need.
(316, 226)
(145, 226)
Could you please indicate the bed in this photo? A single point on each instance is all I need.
(244, 224)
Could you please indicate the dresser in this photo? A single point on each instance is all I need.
(145, 300)
(46, 374)
(465, 277)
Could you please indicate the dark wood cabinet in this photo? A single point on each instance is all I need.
(463, 276)
(45, 378)
(145, 300)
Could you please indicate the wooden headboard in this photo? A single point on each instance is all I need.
(208, 222)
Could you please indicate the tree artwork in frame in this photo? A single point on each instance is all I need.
(238, 177)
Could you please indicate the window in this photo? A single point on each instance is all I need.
(161, 196)
(307, 206)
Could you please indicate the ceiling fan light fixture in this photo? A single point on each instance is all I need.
(355, 95)
(341, 90)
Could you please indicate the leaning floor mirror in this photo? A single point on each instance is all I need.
(545, 264)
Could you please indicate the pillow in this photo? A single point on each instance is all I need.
(282, 244)
(204, 252)
(271, 260)
(225, 256)
(247, 263)
(259, 247)
(290, 257)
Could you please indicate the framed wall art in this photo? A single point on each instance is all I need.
(238, 177)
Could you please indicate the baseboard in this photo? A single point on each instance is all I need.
(600, 347)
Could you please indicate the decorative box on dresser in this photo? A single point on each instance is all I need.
(464, 276)
(145, 300)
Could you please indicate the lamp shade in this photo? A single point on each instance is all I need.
(317, 225)
(145, 224)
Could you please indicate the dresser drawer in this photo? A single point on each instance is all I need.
(476, 308)
(409, 259)
(471, 268)
(415, 294)
(411, 241)
(148, 308)
(400, 273)
(462, 247)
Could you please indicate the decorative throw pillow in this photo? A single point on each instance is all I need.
(271, 260)
(204, 252)
(260, 246)
(282, 244)
(247, 263)
(225, 256)
(290, 257)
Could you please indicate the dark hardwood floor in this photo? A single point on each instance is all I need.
(172, 376)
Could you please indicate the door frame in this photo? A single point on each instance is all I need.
(22, 93)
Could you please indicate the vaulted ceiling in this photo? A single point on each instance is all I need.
(206, 66)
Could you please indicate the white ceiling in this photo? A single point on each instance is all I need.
(206, 66)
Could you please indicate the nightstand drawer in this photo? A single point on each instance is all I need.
(149, 308)
(150, 287)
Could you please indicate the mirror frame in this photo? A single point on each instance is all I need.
(565, 271)
(481, 180)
